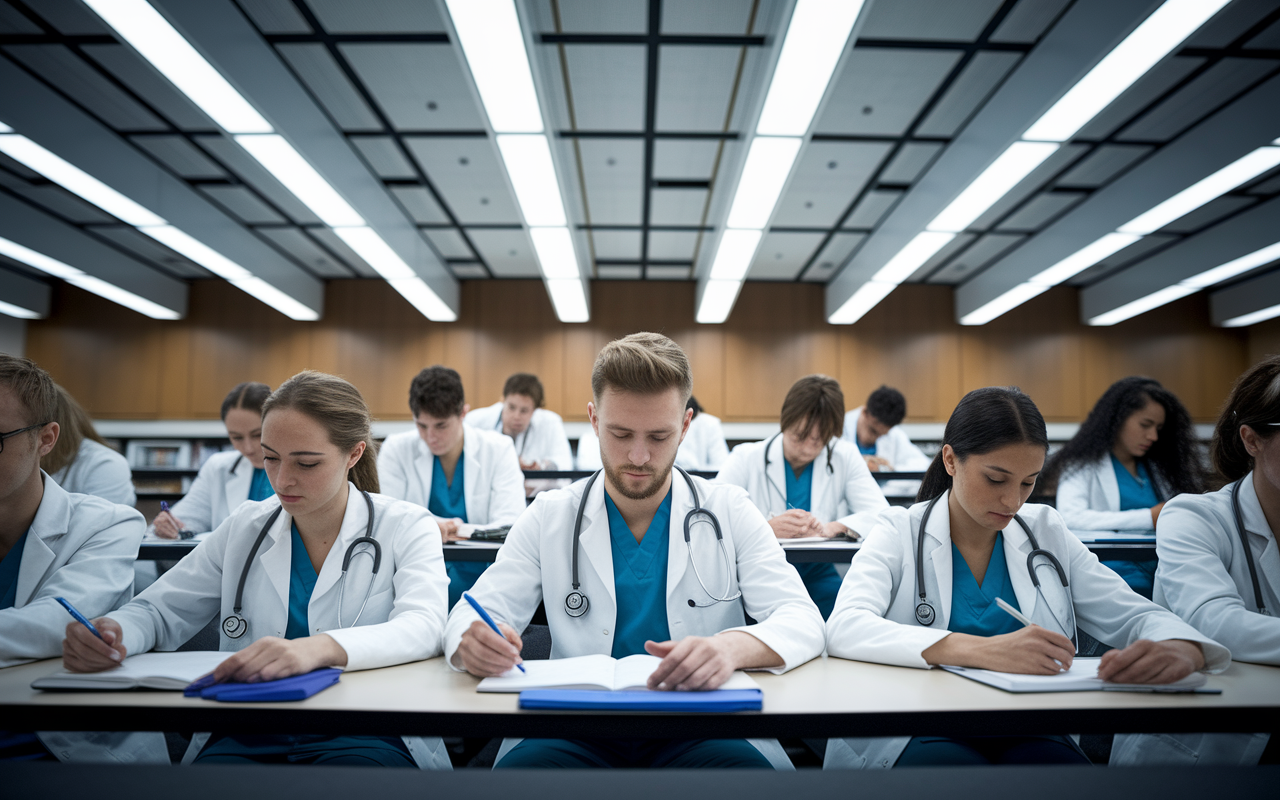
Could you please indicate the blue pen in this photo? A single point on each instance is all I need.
(484, 615)
(79, 617)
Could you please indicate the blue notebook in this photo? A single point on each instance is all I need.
(296, 687)
(719, 700)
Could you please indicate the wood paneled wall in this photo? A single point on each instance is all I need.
(122, 365)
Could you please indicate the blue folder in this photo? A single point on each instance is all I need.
(296, 687)
(720, 700)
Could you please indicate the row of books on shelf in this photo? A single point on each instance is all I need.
(162, 454)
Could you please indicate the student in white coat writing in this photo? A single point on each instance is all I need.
(874, 429)
(81, 462)
(922, 591)
(704, 448)
(619, 577)
(459, 473)
(52, 543)
(807, 480)
(316, 592)
(1136, 449)
(536, 432)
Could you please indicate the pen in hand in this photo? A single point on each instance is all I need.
(1013, 612)
(488, 620)
(78, 616)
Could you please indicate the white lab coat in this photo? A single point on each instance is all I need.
(219, 488)
(100, 471)
(535, 563)
(589, 450)
(847, 493)
(895, 446)
(704, 448)
(543, 440)
(1089, 499)
(402, 620)
(874, 618)
(492, 481)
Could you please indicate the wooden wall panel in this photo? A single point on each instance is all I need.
(122, 365)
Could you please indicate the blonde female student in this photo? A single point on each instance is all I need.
(300, 609)
(81, 463)
(923, 589)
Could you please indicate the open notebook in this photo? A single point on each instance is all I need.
(168, 671)
(1082, 677)
(597, 672)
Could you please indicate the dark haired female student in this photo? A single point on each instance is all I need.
(972, 535)
(1136, 449)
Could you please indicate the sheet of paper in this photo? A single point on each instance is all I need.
(1116, 536)
(582, 672)
(175, 670)
(1083, 676)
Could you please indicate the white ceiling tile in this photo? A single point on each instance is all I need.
(825, 180)
(385, 158)
(1028, 20)
(181, 156)
(881, 91)
(910, 161)
(684, 159)
(70, 73)
(1160, 79)
(275, 16)
(616, 244)
(672, 245)
(982, 252)
(509, 253)
(448, 242)
(305, 250)
(669, 272)
(604, 16)
(317, 68)
(619, 272)
(1219, 84)
(59, 201)
(469, 272)
(1102, 165)
(235, 158)
(1029, 185)
(941, 257)
(613, 170)
(677, 206)
(706, 17)
(242, 203)
(872, 208)
(146, 82)
(608, 86)
(422, 207)
(418, 86)
(967, 93)
(942, 20)
(833, 256)
(1039, 210)
(469, 177)
(781, 256)
(694, 87)
(378, 16)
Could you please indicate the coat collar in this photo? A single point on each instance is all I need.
(1255, 523)
(51, 523)
(1110, 486)
(355, 522)
(239, 481)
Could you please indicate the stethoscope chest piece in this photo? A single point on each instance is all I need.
(925, 614)
(234, 626)
(576, 604)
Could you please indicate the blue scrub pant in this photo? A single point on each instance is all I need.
(823, 583)
(462, 576)
(1140, 575)
(23, 746)
(942, 751)
(371, 751)
(633, 753)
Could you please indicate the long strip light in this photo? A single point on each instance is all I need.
(492, 42)
(1253, 317)
(1158, 35)
(816, 38)
(1238, 172)
(80, 278)
(156, 40)
(1195, 283)
(10, 310)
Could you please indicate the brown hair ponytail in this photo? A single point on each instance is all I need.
(341, 410)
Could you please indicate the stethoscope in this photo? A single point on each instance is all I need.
(236, 625)
(576, 603)
(773, 485)
(925, 614)
(1248, 553)
(524, 441)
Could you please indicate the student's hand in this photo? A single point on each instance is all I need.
(484, 653)
(84, 652)
(167, 526)
(794, 523)
(530, 464)
(449, 529)
(702, 663)
(833, 529)
(1146, 661)
(877, 463)
(1155, 515)
(271, 658)
(1032, 650)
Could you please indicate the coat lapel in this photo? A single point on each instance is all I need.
(275, 557)
(597, 550)
(1255, 524)
(1110, 486)
(677, 552)
(474, 484)
(236, 488)
(354, 523)
(775, 479)
(423, 465)
(937, 550)
(1016, 548)
(50, 524)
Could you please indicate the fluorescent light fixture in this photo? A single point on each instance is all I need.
(1143, 304)
(1151, 41)
(80, 278)
(734, 254)
(1234, 267)
(569, 300)
(862, 301)
(9, 309)
(199, 252)
(5, 128)
(76, 180)
(533, 175)
(490, 36)
(910, 258)
(168, 51)
(291, 169)
(270, 295)
(376, 252)
(1006, 172)
(1005, 302)
(1084, 258)
(1219, 183)
(816, 37)
(1253, 318)
(718, 297)
(763, 176)
(554, 248)
(420, 296)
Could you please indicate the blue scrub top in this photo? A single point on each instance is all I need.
(862, 448)
(973, 607)
(260, 486)
(822, 580)
(9, 572)
(448, 500)
(1135, 493)
(302, 581)
(639, 580)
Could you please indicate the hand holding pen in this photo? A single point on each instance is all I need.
(166, 525)
(91, 646)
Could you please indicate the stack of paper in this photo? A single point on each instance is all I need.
(591, 673)
(1082, 677)
(167, 671)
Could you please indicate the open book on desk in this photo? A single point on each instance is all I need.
(1082, 677)
(591, 673)
(165, 671)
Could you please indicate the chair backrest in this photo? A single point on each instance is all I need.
(537, 643)
(206, 639)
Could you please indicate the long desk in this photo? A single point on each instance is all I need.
(826, 697)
